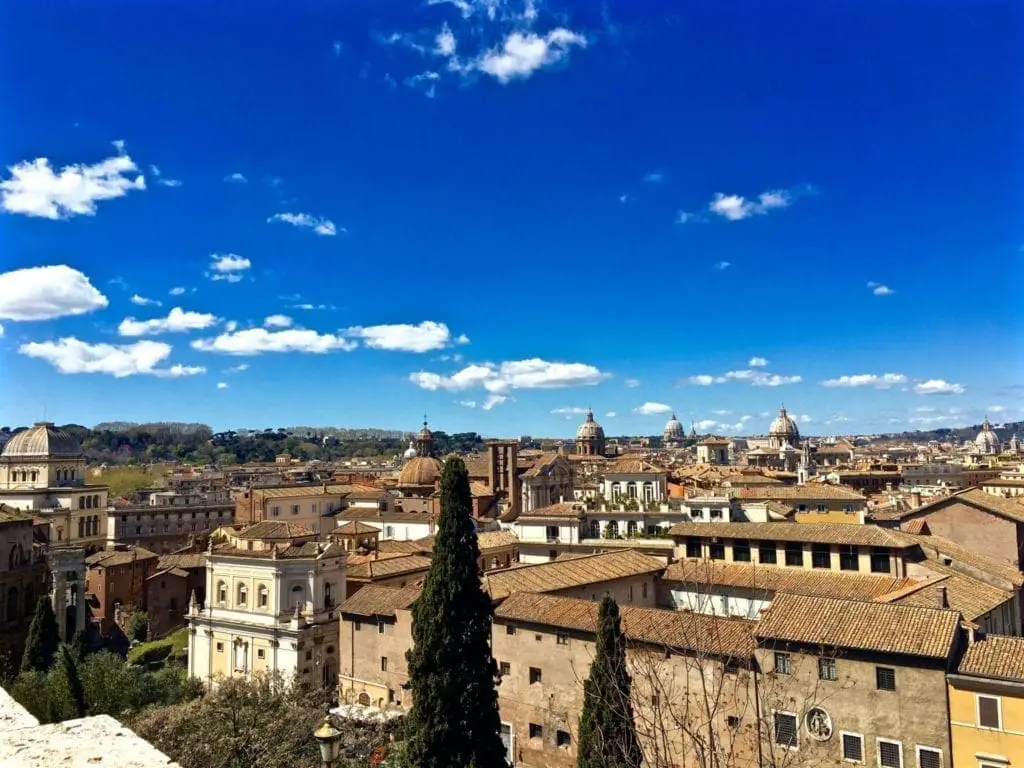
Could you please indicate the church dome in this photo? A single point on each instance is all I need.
(784, 426)
(673, 429)
(421, 470)
(424, 435)
(987, 439)
(42, 441)
(589, 429)
(410, 452)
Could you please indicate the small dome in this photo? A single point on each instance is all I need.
(673, 429)
(987, 439)
(421, 470)
(42, 441)
(784, 425)
(589, 429)
(410, 452)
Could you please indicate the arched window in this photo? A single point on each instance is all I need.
(631, 528)
(12, 604)
(222, 592)
(12, 562)
(613, 529)
(298, 597)
(81, 502)
(35, 475)
(243, 594)
(616, 489)
(328, 602)
(595, 529)
(96, 525)
(81, 527)
(631, 490)
(262, 596)
(648, 491)
(96, 500)
(88, 502)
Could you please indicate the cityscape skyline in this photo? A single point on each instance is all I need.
(505, 217)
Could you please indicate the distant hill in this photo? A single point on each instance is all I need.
(959, 434)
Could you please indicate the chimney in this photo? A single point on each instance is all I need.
(915, 499)
(943, 598)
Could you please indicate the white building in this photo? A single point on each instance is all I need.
(272, 595)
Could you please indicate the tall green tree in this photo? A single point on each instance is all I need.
(607, 737)
(453, 722)
(76, 691)
(43, 638)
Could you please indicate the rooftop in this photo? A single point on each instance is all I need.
(111, 557)
(572, 510)
(810, 492)
(996, 656)
(378, 600)
(861, 625)
(274, 529)
(824, 533)
(378, 568)
(566, 574)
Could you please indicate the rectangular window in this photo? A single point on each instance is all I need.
(988, 712)
(849, 558)
(643, 589)
(821, 556)
(693, 547)
(562, 738)
(781, 663)
(220, 647)
(827, 668)
(885, 678)
(358, 625)
(795, 554)
(261, 653)
(741, 551)
(562, 639)
(504, 668)
(716, 550)
(822, 508)
(510, 629)
(383, 663)
(380, 628)
(880, 560)
(929, 757)
(535, 676)
(785, 729)
(295, 509)
(853, 747)
(536, 731)
(767, 553)
(733, 721)
(801, 508)
(275, 511)
(890, 754)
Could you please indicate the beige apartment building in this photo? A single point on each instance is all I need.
(313, 506)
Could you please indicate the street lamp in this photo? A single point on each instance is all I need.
(329, 739)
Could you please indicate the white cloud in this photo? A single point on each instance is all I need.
(177, 321)
(467, 403)
(757, 362)
(228, 267)
(705, 425)
(631, 383)
(402, 337)
(737, 207)
(230, 326)
(878, 381)
(803, 418)
(685, 217)
(997, 409)
(34, 189)
(277, 321)
(163, 180)
(142, 301)
(176, 291)
(611, 415)
(569, 411)
(222, 385)
(517, 374)
(880, 290)
(256, 341)
(69, 355)
(722, 265)
(445, 42)
(523, 53)
(240, 368)
(654, 177)
(924, 409)
(236, 178)
(320, 226)
(493, 400)
(938, 387)
(652, 409)
(337, 47)
(43, 293)
(775, 380)
(702, 380)
(722, 413)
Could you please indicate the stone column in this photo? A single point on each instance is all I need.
(80, 603)
(58, 597)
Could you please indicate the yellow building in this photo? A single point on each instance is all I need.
(986, 704)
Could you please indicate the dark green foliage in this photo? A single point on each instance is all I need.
(607, 737)
(43, 639)
(76, 693)
(138, 627)
(80, 645)
(454, 718)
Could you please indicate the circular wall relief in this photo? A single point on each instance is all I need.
(818, 723)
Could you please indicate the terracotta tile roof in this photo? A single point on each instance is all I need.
(318, 489)
(178, 572)
(675, 629)
(386, 567)
(935, 547)
(819, 582)
(997, 656)
(567, 510)
(1012, 508)
(824, 533)
(809, 492)
(393, 546)
(111, 557)
(378, 600)
(566, 574)
(971, 597)
(355, 528)
(307, 551)
(394, 516)
(879, 627)
(918, 527)
(488, 540)
(11, 515)
(477, 466)
(274, 529)
(185, 560)
(634, 465)
(542, 465)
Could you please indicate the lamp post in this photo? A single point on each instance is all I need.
(329, 739)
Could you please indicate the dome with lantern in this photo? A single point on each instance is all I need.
(783, 430)
(673, 430)
(987, 440)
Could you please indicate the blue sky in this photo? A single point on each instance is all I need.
(501, 213)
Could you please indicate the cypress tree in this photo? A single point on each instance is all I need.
(80, 645)
(607, 737)
(75, 688)
(43, 638)
(453, 722)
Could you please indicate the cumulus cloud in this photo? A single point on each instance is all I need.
(69, 355)
(222, 385)
(162, 180)
(705, 380)
(611, 415)
(256, 341)
(142, 301)
(401, 337)
(705, 425)
(757, 362)
(44, 293)
(240, 368)
(277, 321)
(721, 265)
(493, 400)
(652, 409)
(466, 403)
(236, 178)
(654, 177)
(631, 383)
(177, 321)
(880, 290)
(228, 267)
(523, 53)
(176, 290)
(444, 43)
(516, 374)
(878, 381)
(569, 410)
(938, 387)
(35, 189)
(737, 207)
(756, 378)
(319, 225)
